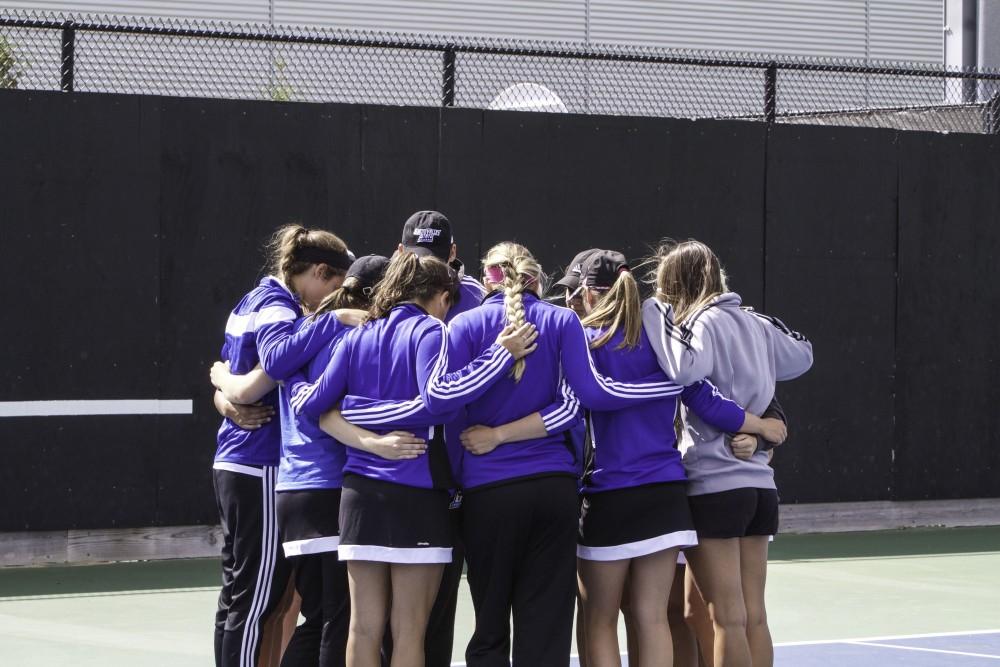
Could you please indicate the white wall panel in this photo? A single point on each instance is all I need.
(525, 19)
(238, 11)
(908, 30)
(835, 28)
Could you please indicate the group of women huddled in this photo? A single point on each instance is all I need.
(428, 420)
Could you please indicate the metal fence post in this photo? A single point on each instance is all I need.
(991, 115)
(771, 92)
(448, 78)
(66, 70)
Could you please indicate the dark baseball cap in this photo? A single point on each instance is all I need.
(601, 269)
(428, 233)
(575, 269)
(368, 270)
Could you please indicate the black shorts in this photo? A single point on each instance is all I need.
(634, 522)
(736, 513)
(392, 523)
(308, 521)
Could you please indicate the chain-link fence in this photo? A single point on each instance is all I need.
(193, 59)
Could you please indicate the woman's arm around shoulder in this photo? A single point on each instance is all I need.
(684, 354)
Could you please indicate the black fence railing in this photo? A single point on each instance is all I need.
(169, 57)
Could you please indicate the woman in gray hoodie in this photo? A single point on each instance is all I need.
(699, 330)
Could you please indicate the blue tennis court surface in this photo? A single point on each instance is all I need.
(951, 649)
(959, 649)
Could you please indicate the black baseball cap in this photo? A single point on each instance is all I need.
(601, 269)
(368, 270)
(428, 233)
(575, 269)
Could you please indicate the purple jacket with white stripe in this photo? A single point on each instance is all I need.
(637, 445)
(373, 413)
(472, 293)
(561, 369)
(396, 358)
(260, 330)
(310, 458)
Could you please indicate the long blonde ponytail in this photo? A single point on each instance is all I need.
(520, 272)
(619, 308)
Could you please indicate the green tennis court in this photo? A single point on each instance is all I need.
(821, 588)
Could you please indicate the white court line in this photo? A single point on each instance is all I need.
(575, 661)
(926, 650)
(105, 594)
(927, 635)
(88, 408)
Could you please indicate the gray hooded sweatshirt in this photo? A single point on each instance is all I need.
(741, 352)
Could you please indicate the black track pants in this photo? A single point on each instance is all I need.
(321, 582)
(520, 545)
(254, 570)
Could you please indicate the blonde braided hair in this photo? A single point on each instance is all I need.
(521, 272)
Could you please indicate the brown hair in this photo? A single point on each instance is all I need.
(520, 269)
(618, 308)
(412, 278)
(350, 294)
(688, 276)
(289, 240)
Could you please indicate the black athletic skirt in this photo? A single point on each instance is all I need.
(307, 521)
(634, 522)
(392, 523)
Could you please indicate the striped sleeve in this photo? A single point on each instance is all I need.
(793, 353)
(441, 393)
(684, 354)
(314, 399)
(565, 413)
(596, 391)
(278, 348)
(375, 412)
(444, 392)
(704, 399)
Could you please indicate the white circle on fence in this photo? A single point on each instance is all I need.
(528, 97)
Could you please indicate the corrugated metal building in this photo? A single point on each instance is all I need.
(932, 32)
(909, 30)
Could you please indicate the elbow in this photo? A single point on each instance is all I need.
(270, 364)
(278, 363)
(311, 411)
(241, 397)
(275, 370)
(731, 421)
(686, 376)
(439, 407)
(797, 369)
(449, 416)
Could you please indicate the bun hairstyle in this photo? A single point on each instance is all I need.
(412, 278)
(294, 249)
(688, 276)
(618, 307)
(520, 271)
